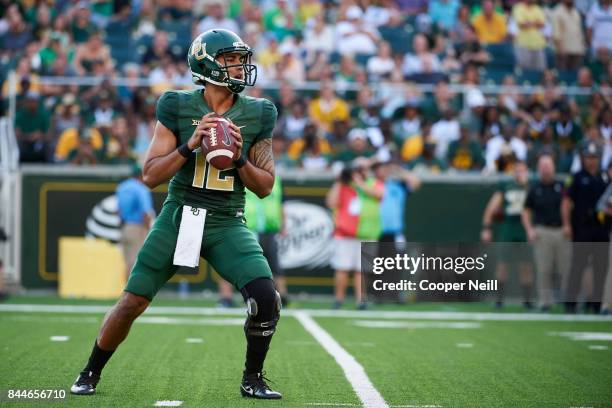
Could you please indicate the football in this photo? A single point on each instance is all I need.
(219, 147)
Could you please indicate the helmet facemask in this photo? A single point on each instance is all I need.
(249, 71)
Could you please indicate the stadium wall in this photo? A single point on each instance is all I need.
(70, 201)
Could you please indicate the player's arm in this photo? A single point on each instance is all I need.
(527, 217)
(163, 159)
(333, 196)
(487, 218)
(258, 172)
(566, 209)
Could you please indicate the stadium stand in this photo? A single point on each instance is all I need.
(300, 46)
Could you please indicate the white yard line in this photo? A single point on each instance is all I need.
(354, 372)
(59, 338)
(366, 314)
(166, 403)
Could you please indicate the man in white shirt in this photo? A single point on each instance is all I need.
(215, 18)
(568, 35)
(599, 25)
(501, 143)
(353, 36)
(444, 131)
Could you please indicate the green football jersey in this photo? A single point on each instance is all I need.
(198, 183)
(514, 196)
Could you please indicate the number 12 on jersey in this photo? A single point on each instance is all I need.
(214, 181)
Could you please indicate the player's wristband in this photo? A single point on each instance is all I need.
(184, 150)
(486, 227)
(240, 162)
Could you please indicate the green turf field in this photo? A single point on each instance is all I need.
(187, 353)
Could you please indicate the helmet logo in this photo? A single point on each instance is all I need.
(215, 73)
(198, 49)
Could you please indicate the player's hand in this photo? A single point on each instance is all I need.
(567, 231)
(201, 130)
(532, 235)
(237, 139)
(485, 235)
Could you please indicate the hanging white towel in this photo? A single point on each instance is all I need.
(189, 241)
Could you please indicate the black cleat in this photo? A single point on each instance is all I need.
(85, 383)
(254, 386)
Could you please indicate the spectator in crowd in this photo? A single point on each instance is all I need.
(265, 217)
(85, 151)
(470, 50)
(281, 20)
(529, 39)
(215, 18)
(509, 200)
(358, 146)
(567, 134)
(18, 34)
(355, 200)
(583, 226)
(474, 107)
(465, 153)
(504, 144)
(158, 50)
(327, 108)
(32, 125)
(542, 221)
(599, 25)
(409, 124)
(81, 24)
(444, 13)
(382, 64)
(93, 57)
(311, 157)
(422, 60)
(311, 142)
(135, 204)
(490, 26)
(291, 125)
(289, 67)
(26, 80)
(536, 119)
(353, 36)
(428, 162)
(445, 131)
(568, 36)
(319, 38)
(546, 145)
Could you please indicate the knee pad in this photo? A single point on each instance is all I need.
(263, 312)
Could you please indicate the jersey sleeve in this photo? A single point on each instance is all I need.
(268, 120)
(167, 111)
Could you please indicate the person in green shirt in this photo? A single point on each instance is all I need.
(508, 202)
(85, 153)
(32, 122)
(465, 153)
(265, 217)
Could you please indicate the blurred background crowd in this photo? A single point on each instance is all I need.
(441, 85)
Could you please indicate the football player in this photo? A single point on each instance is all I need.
(221, 63)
